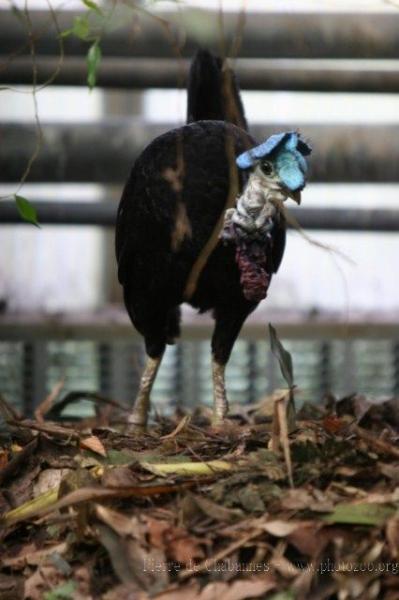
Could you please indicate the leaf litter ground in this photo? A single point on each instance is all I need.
(188, 510)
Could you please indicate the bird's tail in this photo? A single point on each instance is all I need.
(213, 91)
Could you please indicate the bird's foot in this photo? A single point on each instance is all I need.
(218, 422)
(137, 420)
(135, 428)
(220, 410)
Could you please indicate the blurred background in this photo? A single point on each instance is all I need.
(329, 68)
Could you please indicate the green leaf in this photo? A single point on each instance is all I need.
(93, 61)
(93, 6)
(283, 356)
(65, 591)
(81, 27)
(360, 514)
(26, 210)
(66, 32)
(118, 457)
(17, 12)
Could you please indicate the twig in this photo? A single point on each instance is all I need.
(39, 131)
(48, 502)
(93, 396)
(49, 400)
(378, 444)
(282, 417)
(55, 430)
(204, 565)
(184, 421)
(280, 431)
(7, 411)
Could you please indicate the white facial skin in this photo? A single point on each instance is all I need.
(258, 204)
(264, 171)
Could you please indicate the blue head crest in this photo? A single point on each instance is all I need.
(286, 151)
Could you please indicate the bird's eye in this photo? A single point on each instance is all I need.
(267, 167)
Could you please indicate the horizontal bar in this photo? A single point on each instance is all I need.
(112, 322)
(104, 214)
(104, 151)
(254, 74)
(266, 35)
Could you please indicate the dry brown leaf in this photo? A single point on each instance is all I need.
(218, 512)
(390, 471)
(302, 499)
(377, 444)
(185, 550)
(31, 555)
(82, 576)
(303, 582)
(280, 528)
(20, 459)
(392, 535)
(41, 581)
(88, 494)
(391, 497)
(127, 592)
(296, 499)
(204, 565)
(116, 477)
(11, 587)
(48, 479)
(3, 458)
(94, 444)
(285, 567)
(133, 563)
(156, 531)
(175, 541)
(143, 530)
(307, 538)
(238, 590)
(120, 523)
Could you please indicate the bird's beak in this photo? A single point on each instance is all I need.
(296, 196)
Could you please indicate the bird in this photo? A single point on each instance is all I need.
(200, 221)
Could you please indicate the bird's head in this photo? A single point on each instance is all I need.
(280, 163)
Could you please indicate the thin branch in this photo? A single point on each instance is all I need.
(39, 132)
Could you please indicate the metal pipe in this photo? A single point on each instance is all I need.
(266, 35)
(104, 151)
(112, 322)
(104, 214)
(254, 74)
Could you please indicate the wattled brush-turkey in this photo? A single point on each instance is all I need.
(199, 222)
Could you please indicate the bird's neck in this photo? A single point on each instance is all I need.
(260, 192)
(256, 211)
(260, 200)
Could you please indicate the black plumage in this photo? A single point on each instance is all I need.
(174, 197)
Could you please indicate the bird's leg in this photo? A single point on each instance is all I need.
(228, 322)
(220, 404)
(139, 415)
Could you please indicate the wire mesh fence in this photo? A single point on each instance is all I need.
(29, 370)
